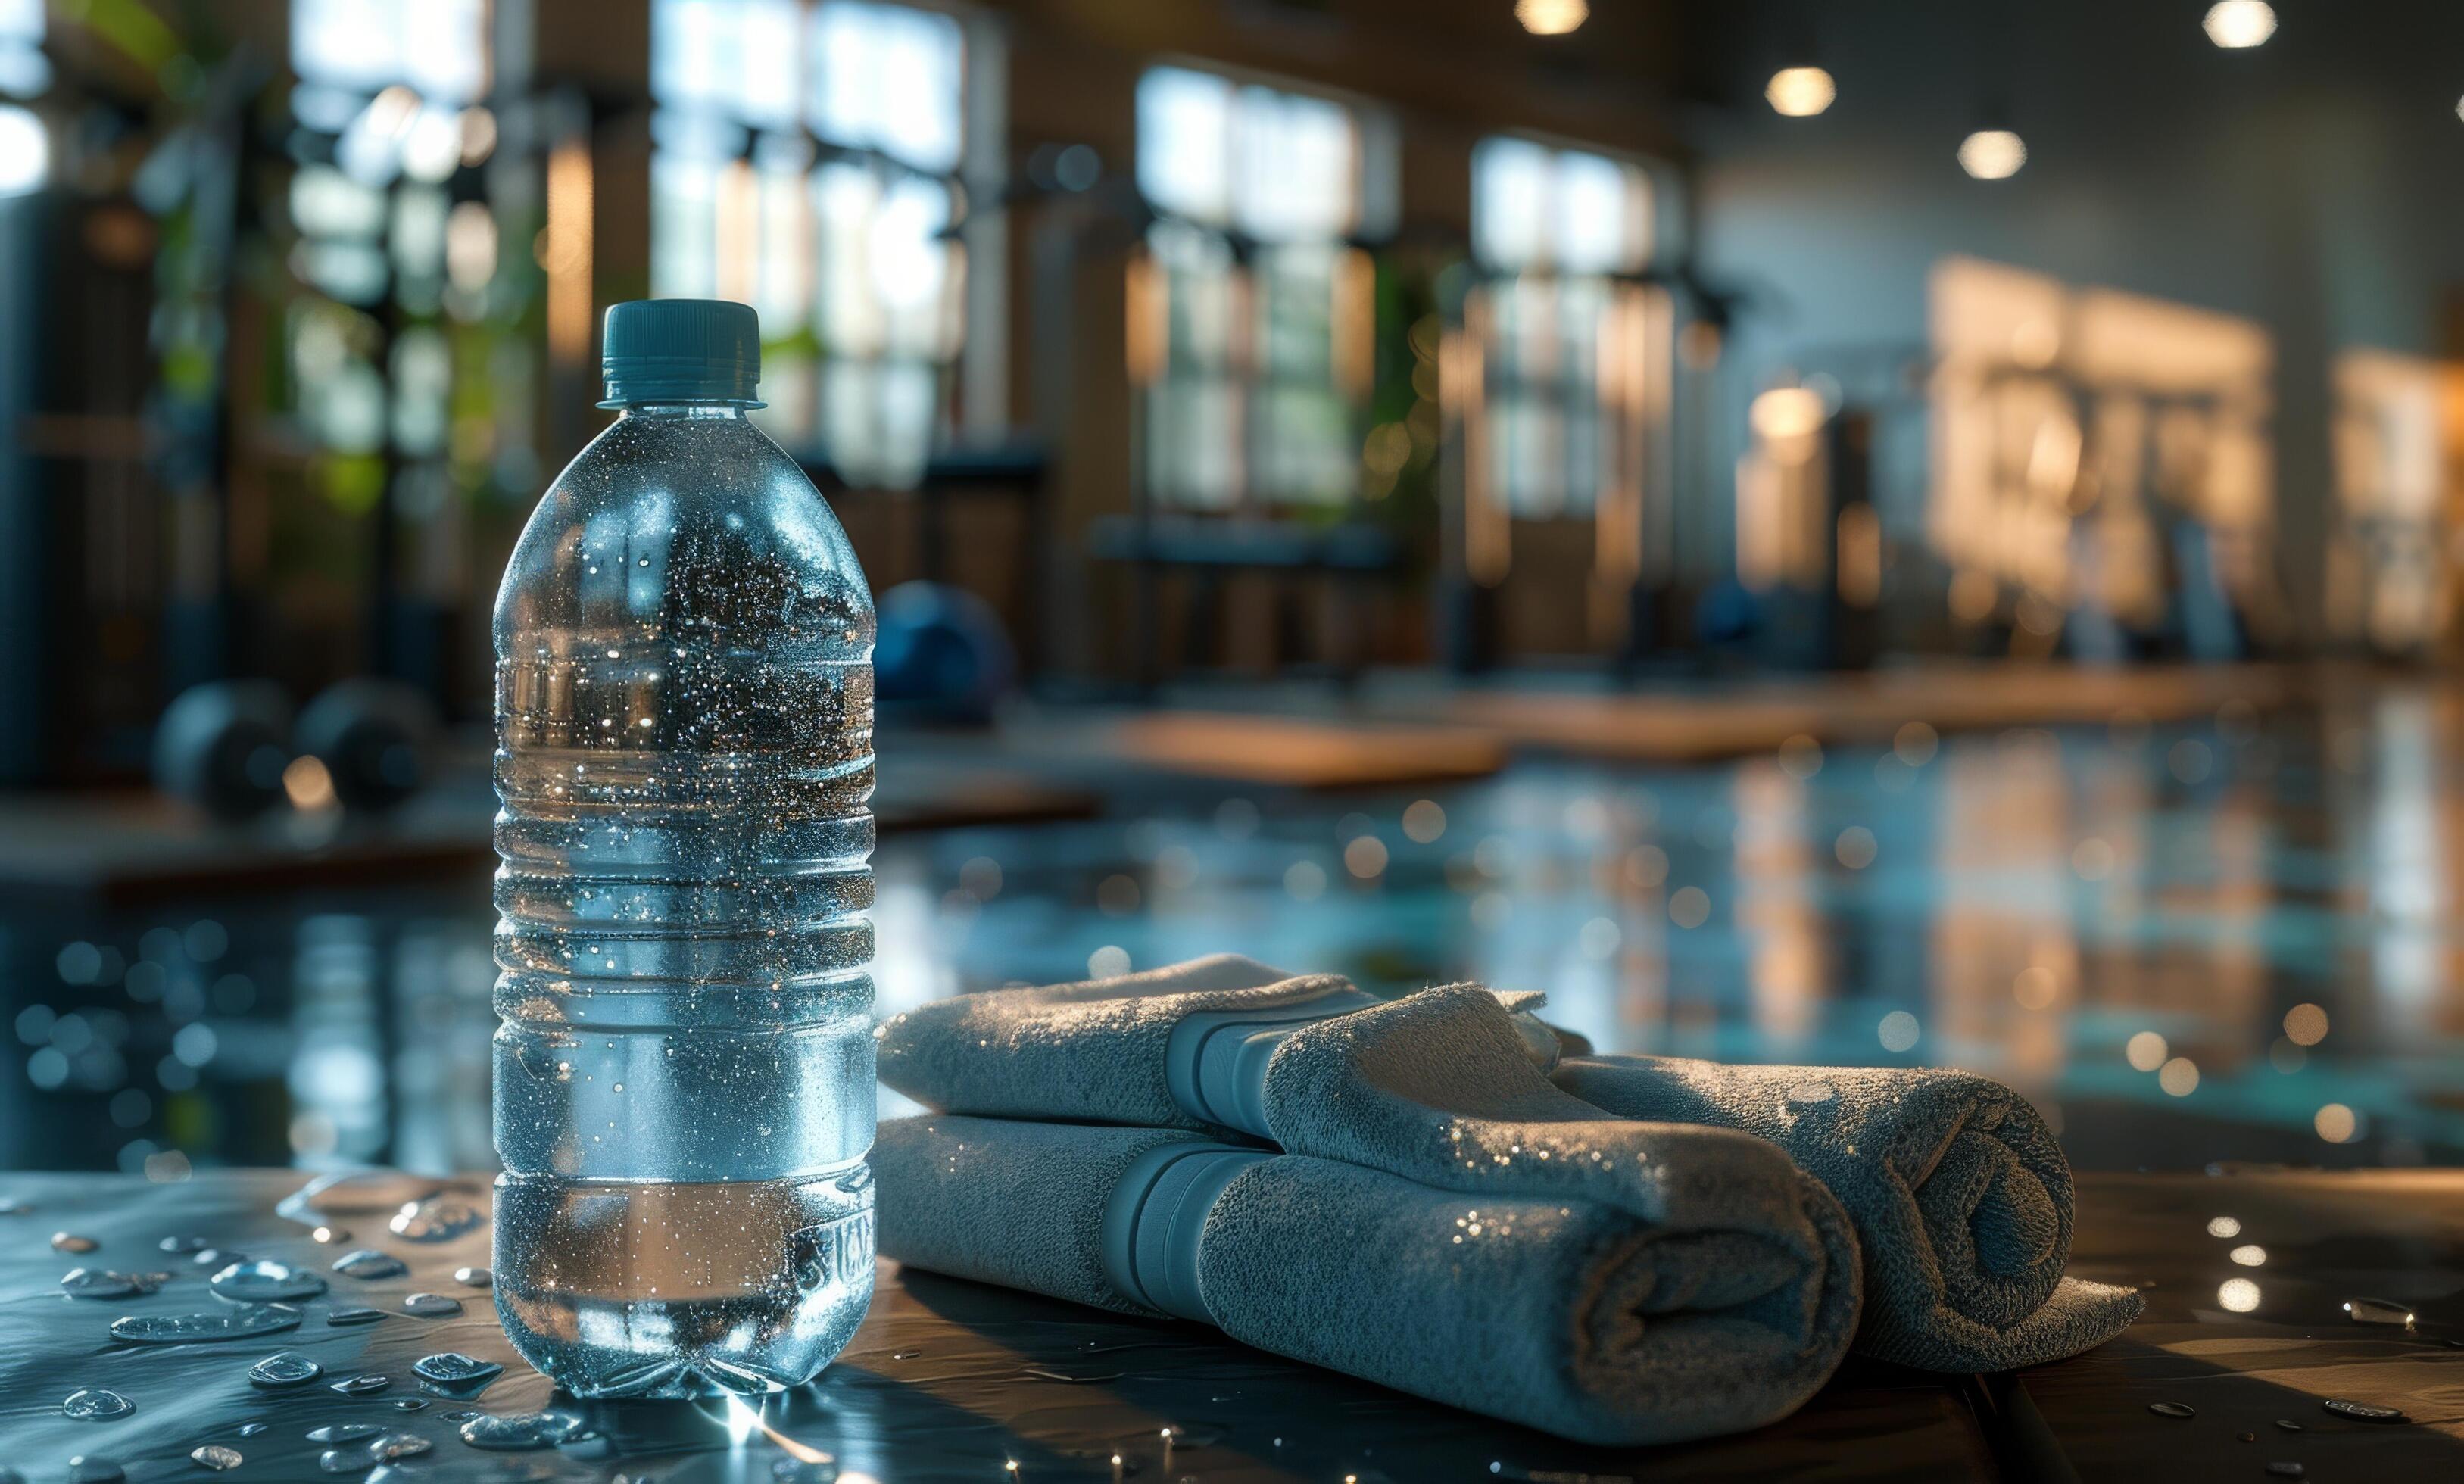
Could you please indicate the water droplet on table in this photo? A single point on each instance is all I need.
(397, 1445)
(432, 1306)
(183, 1244)
(284, 1368)
(233, 1323)
(464, 1414)
(439, 1219)
(522, 1431)
(83, 1469)
(453, 1368)
(344, 1432)
(327, 1236)
(2363, 1411)
(475, 1277)
(362, 1385)
(96, 1405)
(216, 1456)
(345, 1460)
(2378, 1310)
(263, 1280)
(2286, 1470)
(2288, 1425)
(369, 1263)
(252, 1428)
(70, 1242)
(410, 1404)
(96, 1283)
(2173, 1408)
(354, 1192)
(354, 1315)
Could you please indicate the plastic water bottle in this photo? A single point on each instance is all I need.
(684, 755)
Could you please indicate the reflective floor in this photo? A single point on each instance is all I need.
(2209, 942)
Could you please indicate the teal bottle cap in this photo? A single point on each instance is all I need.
(681, 350)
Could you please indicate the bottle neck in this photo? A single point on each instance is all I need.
(694, 411)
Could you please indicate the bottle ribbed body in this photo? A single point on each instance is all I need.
(684, 1062)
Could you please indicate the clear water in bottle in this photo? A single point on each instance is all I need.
(683, 724)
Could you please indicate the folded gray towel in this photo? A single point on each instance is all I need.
(1961, 1196)
(1964, 1216)
(1583, 1317)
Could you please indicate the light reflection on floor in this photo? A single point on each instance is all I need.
(2261, 906)
(2218, 942)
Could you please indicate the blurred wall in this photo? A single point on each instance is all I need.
(2307, 184)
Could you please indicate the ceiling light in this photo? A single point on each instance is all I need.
(2238, 24)
(1800, 92)
(1992, 154)
(1551, 17)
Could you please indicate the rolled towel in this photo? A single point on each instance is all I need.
(1585, 1318)
(1961, 1196)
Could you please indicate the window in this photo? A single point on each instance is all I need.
(1571, 371)
(2095, 450)
(807, 163)
(1250, 317)
(436, 48)
(24, 70)
(396, 88)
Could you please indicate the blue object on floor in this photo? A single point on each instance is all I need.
(941, 653)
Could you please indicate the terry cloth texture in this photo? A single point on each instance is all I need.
(1093, 1051)
(1684, 1286)
(1961, 1196)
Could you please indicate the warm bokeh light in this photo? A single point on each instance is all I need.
(2305, 1025)
(308, 785)
(2145, 1050)
(1786, 412)
(1915, 743)
(2236, 24)
(1800, 92)
(1424, 822)
(2224, 1227)
(1551, 17)
(1992, 154)
(2179, 1076)
(2252, 1256)
(2238, 1294)
(2336, 1124)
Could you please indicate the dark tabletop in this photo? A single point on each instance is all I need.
(950, 1380)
